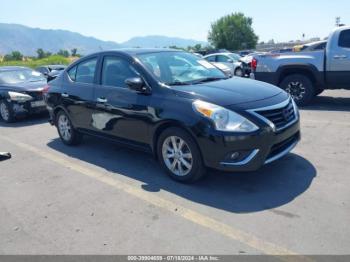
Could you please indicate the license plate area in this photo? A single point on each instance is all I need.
(40, 103)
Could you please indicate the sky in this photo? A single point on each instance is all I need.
(119, 20)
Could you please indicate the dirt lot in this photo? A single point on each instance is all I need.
(100, 198)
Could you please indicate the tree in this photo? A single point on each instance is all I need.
(74, 51)
(41, 53)
(233, 32)
(14, 56)
(64, 53)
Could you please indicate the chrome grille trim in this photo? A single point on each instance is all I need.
(282, 105)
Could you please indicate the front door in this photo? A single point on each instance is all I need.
(119, 111)
(338, 67)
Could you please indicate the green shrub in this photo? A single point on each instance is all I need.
(51, 60)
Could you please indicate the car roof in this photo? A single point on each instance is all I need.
(11, 68)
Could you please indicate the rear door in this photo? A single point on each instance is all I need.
(120, 112)
(338, 66)
(78, 92)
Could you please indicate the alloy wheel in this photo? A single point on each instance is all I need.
(4, 111)
(177, 156)
(296, 90)
(64, 127)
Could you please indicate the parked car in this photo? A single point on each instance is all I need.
(51, 71)
(225, 69)
(306, 74)
(21, 92)
(189, 120)
(314, 46)
(228, 59)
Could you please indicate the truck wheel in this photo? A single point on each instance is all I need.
(179, 155)
(6, 111)
(299, 87)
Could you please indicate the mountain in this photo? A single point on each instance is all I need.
(161, 41)
(27, 40)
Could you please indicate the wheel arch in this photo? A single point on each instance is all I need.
(307, 70)
(165, 125)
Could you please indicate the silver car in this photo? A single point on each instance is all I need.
(228, 59)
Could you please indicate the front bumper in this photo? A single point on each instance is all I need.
(30, 107)
(258, 149)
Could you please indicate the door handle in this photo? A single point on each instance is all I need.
(339, 56)
(64, 95)
(102, 100)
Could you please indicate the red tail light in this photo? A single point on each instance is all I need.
(46, 89)
(254, 64)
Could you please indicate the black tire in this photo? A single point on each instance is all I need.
(300, 88)
(75, 137)
(197, 170)
(239, 72)
(10, 116)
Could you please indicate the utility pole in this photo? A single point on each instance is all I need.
(337, 21)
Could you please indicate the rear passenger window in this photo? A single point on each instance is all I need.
(344, 39)
(211, 58)
(84, 72)
(116, 70)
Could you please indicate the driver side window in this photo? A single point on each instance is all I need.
(116, 70)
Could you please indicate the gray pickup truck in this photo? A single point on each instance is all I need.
(306, 74)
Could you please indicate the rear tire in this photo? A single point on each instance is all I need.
(6, 111)
(300, 88)
(66, 131)
(179, 156)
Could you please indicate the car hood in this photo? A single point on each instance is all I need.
(23, 87)
(232, 91)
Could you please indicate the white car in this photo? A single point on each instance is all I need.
(228, 59)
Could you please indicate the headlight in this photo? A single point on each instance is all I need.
(19, 97)
(224, 120)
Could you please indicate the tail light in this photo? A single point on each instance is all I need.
(254, 64)
(46, 89)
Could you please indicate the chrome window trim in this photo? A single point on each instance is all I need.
(282, 154)
(273, 107)
(244, 161)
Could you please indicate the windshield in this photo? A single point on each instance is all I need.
(20, 76)
(180, 68)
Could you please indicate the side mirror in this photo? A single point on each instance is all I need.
(230, 61)
(137, 84)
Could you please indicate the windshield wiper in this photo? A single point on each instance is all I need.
(177, 83)
(209, 79)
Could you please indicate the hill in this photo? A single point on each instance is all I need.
(27, 40)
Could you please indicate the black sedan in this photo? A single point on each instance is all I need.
(21, 92)
(176, 106)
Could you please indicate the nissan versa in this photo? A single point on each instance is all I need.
(178, 107)
(21, 92)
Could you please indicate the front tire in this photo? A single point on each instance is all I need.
(300, 88)
(66, 131)
(6, 112)
(179, 156)
(239, 72)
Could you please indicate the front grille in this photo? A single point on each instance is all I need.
(36, 95)
(280, 117)
(282, 146)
